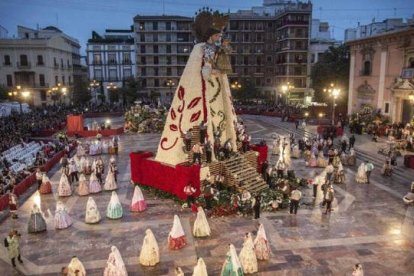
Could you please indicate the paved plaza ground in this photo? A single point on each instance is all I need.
(369, 224)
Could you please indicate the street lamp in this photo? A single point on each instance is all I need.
(236, 85)
(334, 93)
(19, 94)
(94, 85)
(170, 83)
(57, 91)
(286, 91)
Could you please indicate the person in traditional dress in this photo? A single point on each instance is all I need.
(200, 269)
(64, 188)
(94, 185)
(287, 155)
(87, 169)
(115, 266)
(178, 271)
(92, 214)
(37, 222)
(296, 151)
(150, 253)
(176, 238)
(83, 188)
(13, 204)
(313, 161)
(12, 242)
(99, 169)
(76, 268)
(46, 186)
(358, 271)
(276, 145)
(247, 255)
(138, 203)
(113, 168)
(62, 218)
(201, 226)
(231, 266)
(361, 176)
(114, 209)
(73, 171)
(261, 245)
(322, 162)
(110, 183)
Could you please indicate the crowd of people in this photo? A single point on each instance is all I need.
(143, 118)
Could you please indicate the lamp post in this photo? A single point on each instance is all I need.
(56, 92)
(94, 85)
(19, 94)
(334, 93)
(286, 91)
(111, 87)
(170, 83)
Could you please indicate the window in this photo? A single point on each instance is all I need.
(61, 62)
(156, 82)
(155, 71)
(387, 108)
(169, 72)
(141, 25)
(155, 60)
(9, 80)
(144, 82)
(112, 75)
(143, 60)
(168, 37)
(169, 60)
(155, 37)
(168, 26)
(63, 80)
(23, 60)
(245, 71)
(7, 60)
(96, 59)
(143, 49)
(182, 37)
(144, 71)
(126, 58)
(142, 37)
(96, 48)
(269, 58)
(246, 60)
(55, 62)
(56, 80)
(155, 49)
(111, 58)
(127, 73)
(43, 95)
(168, 49)
(40, 60)
(155, 26)
(366, 71)
(42, 80)
(97, 73)
(68, 63)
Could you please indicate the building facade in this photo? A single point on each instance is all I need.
(382, 74)
(111, 59)
(320, 40)
(163, 45)
(37, 61)
(375, 28)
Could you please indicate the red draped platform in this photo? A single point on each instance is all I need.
(93, 133)
(172, 179)
(164, 177)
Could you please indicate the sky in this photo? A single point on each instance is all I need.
(78, 18)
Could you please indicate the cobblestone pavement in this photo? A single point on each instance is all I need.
(369, 224)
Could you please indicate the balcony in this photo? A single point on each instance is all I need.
(26, 65)
(407, 73)
(40, 64)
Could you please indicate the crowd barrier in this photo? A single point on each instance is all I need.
(93, 133)
(22, 187)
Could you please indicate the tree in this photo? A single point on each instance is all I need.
(3, 93)
(81, 93)
(247, 91)
(130, 90)
(332, 67)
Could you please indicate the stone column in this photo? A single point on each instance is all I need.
(380, 99)
(351, 82)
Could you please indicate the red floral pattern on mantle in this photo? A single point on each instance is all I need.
(177, 128)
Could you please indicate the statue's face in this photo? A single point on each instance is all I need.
(216, 37)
